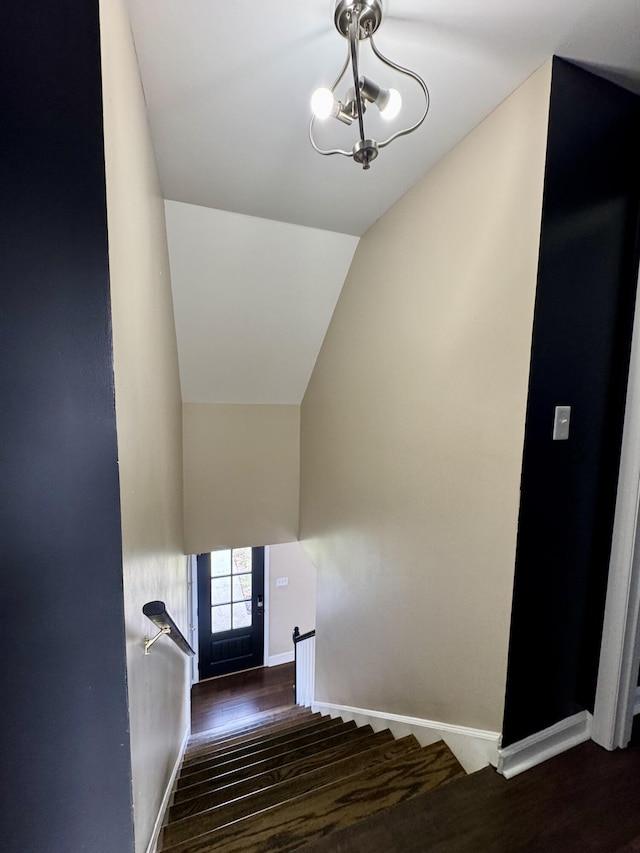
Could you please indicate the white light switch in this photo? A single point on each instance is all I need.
(561, 423)
(282, 581)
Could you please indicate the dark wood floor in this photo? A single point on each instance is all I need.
(226, 700)
(584, 801)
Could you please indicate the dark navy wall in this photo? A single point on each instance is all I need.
(66, 782)
(580, 352)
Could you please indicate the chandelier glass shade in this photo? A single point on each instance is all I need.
(358, 20)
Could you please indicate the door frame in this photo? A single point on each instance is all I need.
(192, 613)
(265, 654)
(617, 685)
(192, 609)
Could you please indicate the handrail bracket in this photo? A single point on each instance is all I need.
(149, 641)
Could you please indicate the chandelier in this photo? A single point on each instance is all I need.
(358, 20)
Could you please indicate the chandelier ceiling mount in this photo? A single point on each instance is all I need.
(370, 16)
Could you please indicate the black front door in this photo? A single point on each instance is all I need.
(230, 610)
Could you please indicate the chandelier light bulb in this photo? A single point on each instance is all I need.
(393, 105)
(322, 103)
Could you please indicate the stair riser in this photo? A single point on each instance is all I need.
(182, 794)
(243, 725)
(214, 739)
(227, 766)
(263, 744)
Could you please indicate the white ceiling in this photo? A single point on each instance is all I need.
(227, 86)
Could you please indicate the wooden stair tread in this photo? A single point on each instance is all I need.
(245, 725)
(246, 722)
(262, 746)
(232, 762)
(373, 752)
(274, 776)
(335, 739)
(253, 737)
(213, 738)
(288, 826)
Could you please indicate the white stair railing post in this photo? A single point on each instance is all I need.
(305, 666)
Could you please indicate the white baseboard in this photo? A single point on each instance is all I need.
(474, 748)
(153, 843)
(276, 660)
(545, 744)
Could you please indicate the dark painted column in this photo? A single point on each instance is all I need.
(580, 354)
(66, 775)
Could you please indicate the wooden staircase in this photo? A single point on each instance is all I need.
(283, 779)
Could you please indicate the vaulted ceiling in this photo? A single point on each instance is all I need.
(257, 244)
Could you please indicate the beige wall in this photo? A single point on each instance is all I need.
(294, 604)
(241, 475)
(148, 413)
(412, 431)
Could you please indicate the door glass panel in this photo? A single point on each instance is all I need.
(231, 589)
(241, 587)
(221, 618)
(220, 590)
(242, 615)
(220, 563)
(241, 560)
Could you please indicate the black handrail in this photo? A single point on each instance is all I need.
(157, 613)
(298, 638)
